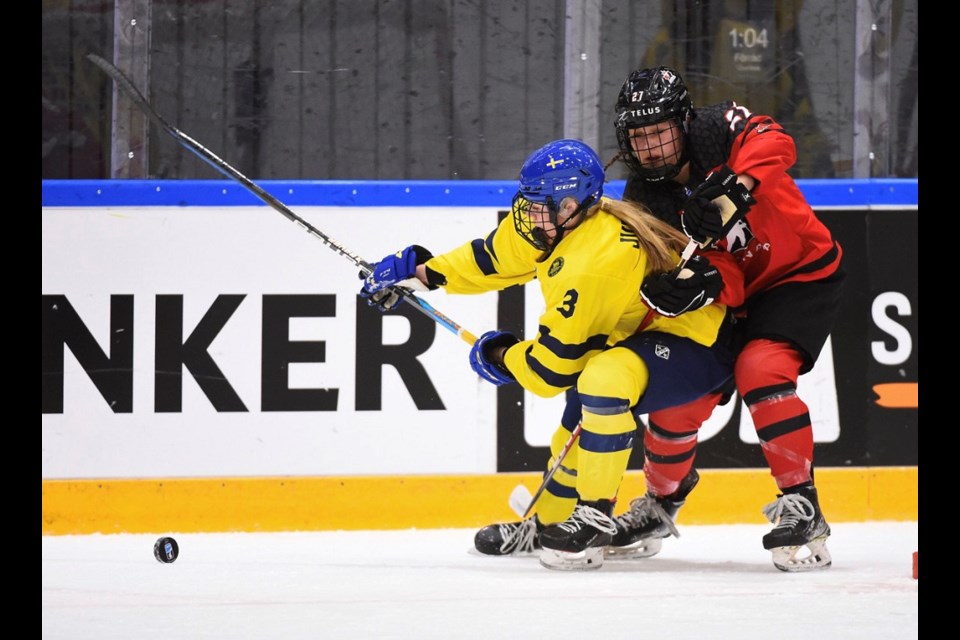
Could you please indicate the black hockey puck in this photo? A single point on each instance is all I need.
(166, 550)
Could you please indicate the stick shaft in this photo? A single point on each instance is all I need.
(221, 165)
(553, 470)
(727, 212)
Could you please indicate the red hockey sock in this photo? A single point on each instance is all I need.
(670, 443)
(767, 373)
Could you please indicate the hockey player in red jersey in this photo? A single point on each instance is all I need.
(781, 272)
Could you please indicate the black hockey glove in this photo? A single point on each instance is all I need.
(715, 206)
(697, 285)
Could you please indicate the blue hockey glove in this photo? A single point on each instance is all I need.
(671, 294)
(488, 366)
(399, 268)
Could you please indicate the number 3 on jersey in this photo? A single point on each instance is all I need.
(569, 303)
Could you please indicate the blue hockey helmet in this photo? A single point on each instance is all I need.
(558, 170)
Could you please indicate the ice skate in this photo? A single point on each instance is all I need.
(798, 541)
(641, 530)
(577, 543)
(509, 539)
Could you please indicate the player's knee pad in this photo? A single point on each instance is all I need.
(766, 364)
(617, 373)
(682, 423)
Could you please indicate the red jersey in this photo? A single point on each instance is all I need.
(780, 239)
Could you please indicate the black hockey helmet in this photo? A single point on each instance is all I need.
(648, 97)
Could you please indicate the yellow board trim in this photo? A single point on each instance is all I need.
(196, 505)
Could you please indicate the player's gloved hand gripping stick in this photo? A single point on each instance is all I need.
(128, 89)
(711, 210)
(709, 213)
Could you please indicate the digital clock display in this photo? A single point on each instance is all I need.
(748, 38)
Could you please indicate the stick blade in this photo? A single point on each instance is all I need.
(520, 500)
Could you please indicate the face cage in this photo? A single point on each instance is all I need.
(662, 170)
(525, 226)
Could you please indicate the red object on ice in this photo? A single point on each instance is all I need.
(916, 563)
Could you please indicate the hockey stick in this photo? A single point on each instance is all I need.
(221, 165)
(520, 499)
(728, 211)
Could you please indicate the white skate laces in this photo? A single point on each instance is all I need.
(644, 510)
(641, 530)
(793, 513)
(518, 537)
(788, 510)
(587, 515)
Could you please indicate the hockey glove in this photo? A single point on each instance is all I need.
(396, 269)
(486, 359)
(697, 285)
(707, 216)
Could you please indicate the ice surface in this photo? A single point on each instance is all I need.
(713, 582)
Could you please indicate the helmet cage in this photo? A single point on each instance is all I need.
(649, 97)
(665, 166)
(534, 233)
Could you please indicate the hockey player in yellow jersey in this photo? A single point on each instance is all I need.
(596, 338)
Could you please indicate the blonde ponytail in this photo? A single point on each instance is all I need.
(661, 242)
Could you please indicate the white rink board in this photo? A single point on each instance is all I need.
(89, 254)
(200, 253)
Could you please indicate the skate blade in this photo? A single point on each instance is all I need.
(585, 560)
(473, 551)
(636, 551)
(789, 559)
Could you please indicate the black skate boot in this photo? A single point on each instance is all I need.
(578, 542)
(641, 530)
(509, 539)
(799, 523)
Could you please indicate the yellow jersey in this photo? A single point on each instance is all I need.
(591, 291)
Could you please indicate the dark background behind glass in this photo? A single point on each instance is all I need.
(458, 89)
